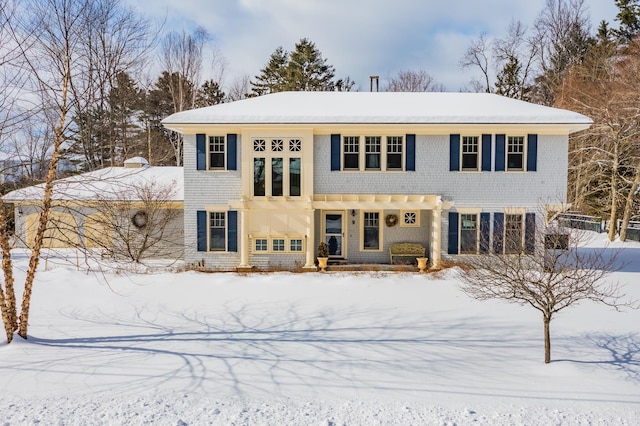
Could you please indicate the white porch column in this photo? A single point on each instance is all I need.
(436, 237)
(311, 240)
(244, 238)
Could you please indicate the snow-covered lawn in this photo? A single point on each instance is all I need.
(312, 349)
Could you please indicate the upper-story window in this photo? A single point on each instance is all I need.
(370, 154)
(277, 167)
(470, 153)
(515, 153)
(216, 153)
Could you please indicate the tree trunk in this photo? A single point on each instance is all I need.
(628, 206)
(547, 339)
(613, 218)
(7, 267)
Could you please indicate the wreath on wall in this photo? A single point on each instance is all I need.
(140, 219)
(391, 220)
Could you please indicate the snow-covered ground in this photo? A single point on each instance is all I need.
(312, 349)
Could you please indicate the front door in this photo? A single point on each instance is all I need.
(333, 225)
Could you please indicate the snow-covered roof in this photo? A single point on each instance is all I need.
(111, 183)
(379, 108)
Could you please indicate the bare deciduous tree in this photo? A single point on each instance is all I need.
(413, 81)
(551, 272)
(478, 55)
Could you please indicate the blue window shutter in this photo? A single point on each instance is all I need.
(411, 153)
(532, 153)
(201, 151)
(453, 233)
(232, 230)
(335, 152)
(202, 230)
(486, 153)
(498, 232)
(232, 149)
(485, 225)
(454, 153)
(530, 233)
(500, 153)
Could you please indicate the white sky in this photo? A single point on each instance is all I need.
(358, 37)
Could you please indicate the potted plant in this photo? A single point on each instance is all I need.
(323, 255)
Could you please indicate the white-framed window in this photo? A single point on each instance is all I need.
(371, 231)
(277, 167)
(277, 244)
(395, 150)
(217, 231)
(516, 150)
(470, 153)
(217, 153)
(410, 218)
(513, 233)
(261, 245)
(295, 245)
(373, 153)
(469, 233)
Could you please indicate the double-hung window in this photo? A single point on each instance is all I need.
(371, 231)
(394, 152)
(515, 153)
(217, 231)
(216, 153)
(372, 152)
(470, 153)
(468, 233)
(351, 152)
(277, 167)
(513, 233)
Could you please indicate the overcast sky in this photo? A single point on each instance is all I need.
(358, 37)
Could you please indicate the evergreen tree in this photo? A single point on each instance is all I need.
(303, 69)
(509, 82)
(273, 76)
(307, 70)
(209, 94)
(125, 102)
(629, 18)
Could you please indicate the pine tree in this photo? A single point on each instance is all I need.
(209, 94)
(125, 101)
(629, 18)
(508, 81)
(307, 70)
(303, 69)
(273, 76)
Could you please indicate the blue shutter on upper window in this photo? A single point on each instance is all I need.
(201, 230)
(232, 230)
(532, 153)
(453, 233)
(335, 152)
(410, 165)
(454, 153)
(486, 153)
(485, 226)
(530, 233)
(232, 149)
(201, 151)
(500, 155)
(498, 232)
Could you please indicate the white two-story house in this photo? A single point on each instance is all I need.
(267, 178)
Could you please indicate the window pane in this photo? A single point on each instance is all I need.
(261, 244)
(371, 231)
(515, 153)
(278, 245)
(468, 234)
(296, 245)
(372, 152)
(351, 152)
(294, 177)
(276, 177)
(217, 231)
(277, 145)
(514, 161)
(216, 152)
(259, 145)
(394, 153)
(258, 177)
(470, 150)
